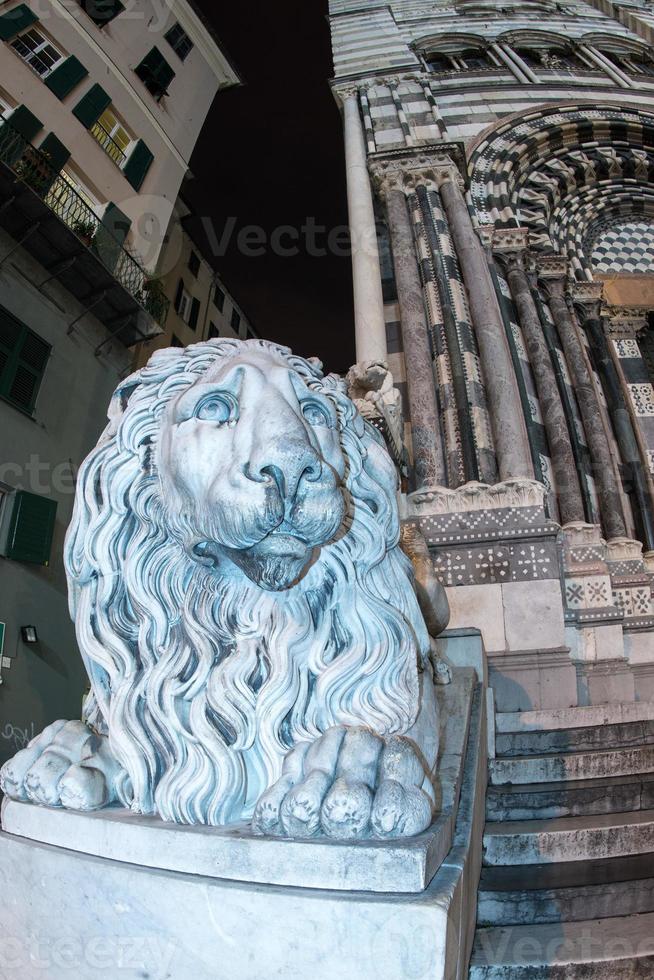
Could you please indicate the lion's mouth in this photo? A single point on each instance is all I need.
(280, 544)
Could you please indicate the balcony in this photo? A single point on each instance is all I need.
(46, 216)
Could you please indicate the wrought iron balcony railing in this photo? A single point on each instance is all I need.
(108, 144)
(34, 169)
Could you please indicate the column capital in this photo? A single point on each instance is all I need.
(587, 297)
(428, 165)
(552, 267)
(345, 91)
(510, 248)
(510, 241)
(624, 322)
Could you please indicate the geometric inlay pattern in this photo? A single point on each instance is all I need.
(627, 246)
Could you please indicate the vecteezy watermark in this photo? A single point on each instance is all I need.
(110, 954)
(39, 476)
(287, 241)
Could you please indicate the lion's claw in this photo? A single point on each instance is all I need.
(349, 784)
(66, 765)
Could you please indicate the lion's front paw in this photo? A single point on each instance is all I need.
(66, 765)
(348, 784)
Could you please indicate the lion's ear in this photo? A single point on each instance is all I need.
(121, 396)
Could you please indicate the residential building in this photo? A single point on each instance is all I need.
(200, 305)
(500, 154)
(101, 105)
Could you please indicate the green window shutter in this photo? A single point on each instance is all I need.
(155, 72)
(24, 122)
(138, 165)
(89, 109)
(66, 76)
(102, 11)
(58, 154)
(110, 235)
(15, 21)
(179, 294)
(31, 528)
(23, 358)
(195, 314)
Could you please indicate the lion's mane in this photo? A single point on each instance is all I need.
(204, 684)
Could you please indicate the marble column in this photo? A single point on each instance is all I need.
(570, 500)
(507, 420)
(428, 457)
(369, 324)
(598, 444)
(589, 314)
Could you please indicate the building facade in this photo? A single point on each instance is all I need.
(503, 152)
(201, 306)
(500, 159)
(102, 103)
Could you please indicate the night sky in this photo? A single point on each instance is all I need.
(271, 155)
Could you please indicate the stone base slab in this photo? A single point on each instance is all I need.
(235, 852)
(68, 914)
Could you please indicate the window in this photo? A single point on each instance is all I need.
(194, 263)
(475, 59)
(179, 41)
(38, 51)
(155, 73)
(23, 357)
(102, 11)
(631, 62)
(112, 136)
(235, 321)
(440, 62)
(185, 304)
(470, 59)
(218, 297)
(529, 56)
(213, 331)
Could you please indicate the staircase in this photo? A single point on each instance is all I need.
(567, 887)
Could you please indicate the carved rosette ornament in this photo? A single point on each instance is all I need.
(248, 620)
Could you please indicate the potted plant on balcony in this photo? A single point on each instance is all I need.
(154, 298)
(85, 230)
(34, 169)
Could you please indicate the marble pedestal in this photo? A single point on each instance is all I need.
(112, 895)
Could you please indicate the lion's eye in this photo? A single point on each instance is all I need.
(315, 414)
(215, 408)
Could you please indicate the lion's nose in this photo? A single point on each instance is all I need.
(298, 463)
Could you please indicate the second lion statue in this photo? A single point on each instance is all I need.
(247, 619)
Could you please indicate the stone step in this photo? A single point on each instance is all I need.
(569, 839)
(526, 770)
(590, 716)
(568, 892)
(620, 736)
(583, 797)
(604, 949)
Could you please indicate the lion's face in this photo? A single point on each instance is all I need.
(251, 467)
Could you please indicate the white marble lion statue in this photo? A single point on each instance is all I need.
(248, 621)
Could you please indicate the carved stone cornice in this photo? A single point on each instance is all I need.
(342, 88)
(478, 496)
(624, 321)
(429, 165)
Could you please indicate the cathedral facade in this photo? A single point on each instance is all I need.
(500, 162)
